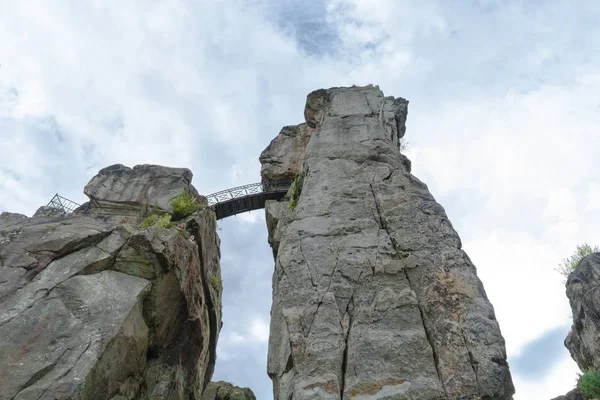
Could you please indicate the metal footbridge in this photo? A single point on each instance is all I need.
(225, 203)
(246, 198)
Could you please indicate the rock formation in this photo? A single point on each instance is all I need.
(572, 395)
(120, 187)
(583, 341)
(583, 291)
(93, 307)
(373, 297)
(226, 391)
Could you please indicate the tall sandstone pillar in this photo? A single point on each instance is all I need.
(373, 297)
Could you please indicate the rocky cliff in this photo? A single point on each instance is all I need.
(92, 306)
(583, 341)
(583, 291)
(373, 297)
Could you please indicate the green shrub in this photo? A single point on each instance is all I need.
(589, 383)
(296, 191)
(156, 220)
(184, 205)
(215, 282)
(568, 265)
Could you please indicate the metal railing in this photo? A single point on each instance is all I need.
(247, 190)
(62, 203)
(69, 206)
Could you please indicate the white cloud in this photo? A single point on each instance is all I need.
(558, 382)
(518, 274)
(503, 124)
(259, 330)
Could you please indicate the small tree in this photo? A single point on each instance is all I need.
(568, 265)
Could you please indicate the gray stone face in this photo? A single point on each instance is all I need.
(122, 188)
(95, 308)
(572, 395)
(226, 391)
(46, 211)
(373, 297)
(7, 218)
(583, 291)
(282, 159)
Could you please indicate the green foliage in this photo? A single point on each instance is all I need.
(215, 282)
(296, 191)
(184, 234)
(588, 383)
(568, 265)
(156, 220)
(184, 205)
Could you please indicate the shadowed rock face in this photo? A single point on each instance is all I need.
(373, 297)
(583, 291)
(95, 308)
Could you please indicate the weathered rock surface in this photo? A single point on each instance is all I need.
(226, 391)
(95, 308)
(583, 291)
(373, 297)
(572, 395)
(47, 211)
(282, 159)
(8, 218)
(118, 187)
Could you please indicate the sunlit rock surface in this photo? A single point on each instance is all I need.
(373, 297)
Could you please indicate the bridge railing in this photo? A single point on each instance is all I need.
(247, 190)
(68, 206)
(62, 203)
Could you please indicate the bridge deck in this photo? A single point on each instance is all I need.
(247, 203)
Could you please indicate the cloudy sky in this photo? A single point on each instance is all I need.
(503, 125)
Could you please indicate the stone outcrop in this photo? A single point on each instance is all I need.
(7, 218)
(278, 162)
(95, 308)
(373, 297)
(121, 188)
(226, 391)
(583, 291)
(48, 211)
(572, 395)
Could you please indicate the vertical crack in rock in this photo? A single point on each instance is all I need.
(427, 333)
(471, 358)
(312, 281)
(345, 356)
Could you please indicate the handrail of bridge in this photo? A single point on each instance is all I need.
(62, 203)
(247, 190)
(69, 206)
